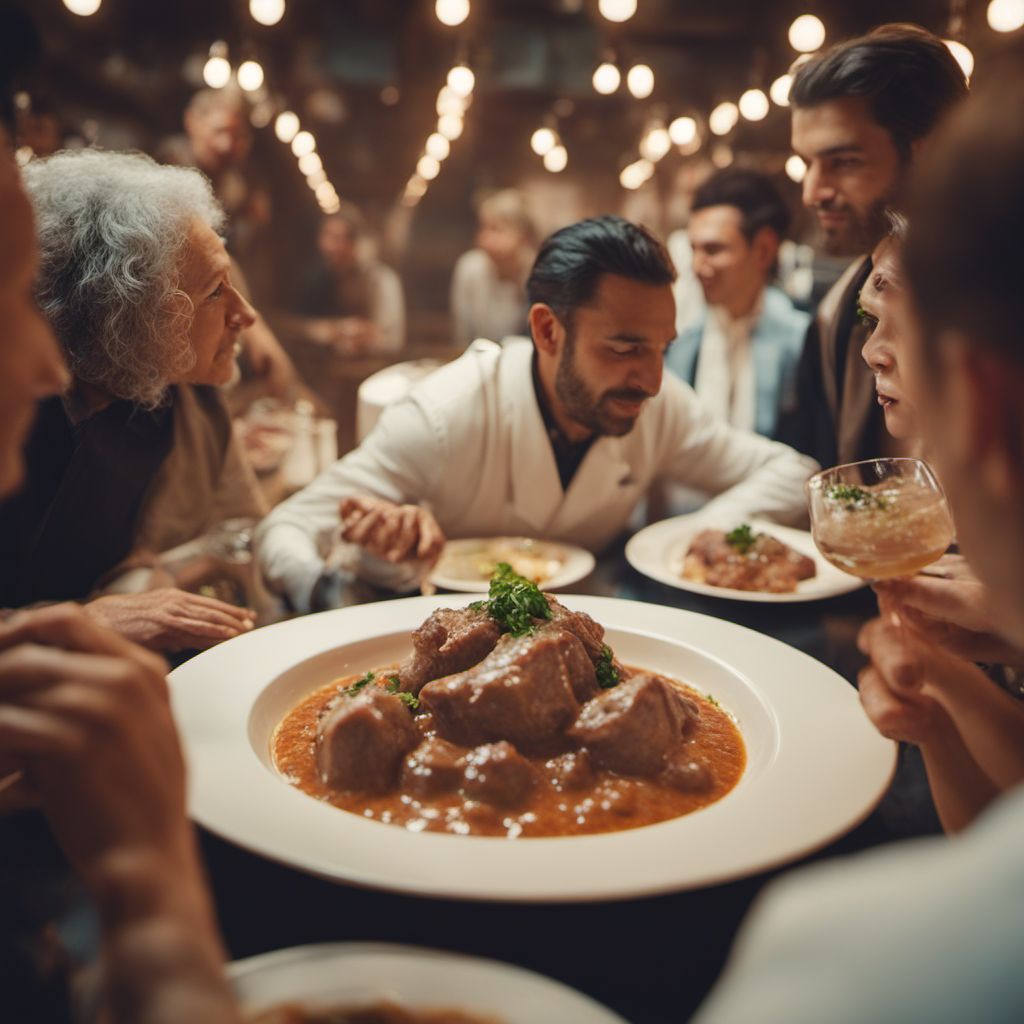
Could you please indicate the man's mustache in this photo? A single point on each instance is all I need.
(626, 395)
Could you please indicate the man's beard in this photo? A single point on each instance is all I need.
(862, 232)
(581, 405)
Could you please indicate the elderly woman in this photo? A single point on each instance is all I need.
(137, 455)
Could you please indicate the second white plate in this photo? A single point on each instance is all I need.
(576, 563)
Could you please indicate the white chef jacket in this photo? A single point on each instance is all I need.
(469, 440)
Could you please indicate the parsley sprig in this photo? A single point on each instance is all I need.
(410, 700)
(513, 601)
(854, 498)
(742, 539)
(607, 673)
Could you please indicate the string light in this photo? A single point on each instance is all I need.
(754, 105)
(962, 55)
(250, 75)
(437, 146)
(722, 156)
(316, 178)
(723, 118)
(606, 79)
(449, 102)
(310, 163)
(796, 168)
(217, 72)
(636, 174)
(84, 8)
(450, 126)
(655, 144)
(682, 130)
(451, 12)
(303, 143)
(543, 140)
(617, 10)
(266, 12)
(325, 191)
(640, 81)
(461, 80)
(1006, 15)
(556, 159)
(286, 126)
(807, 33)
(428, 168)
(779, 90)
(416, 186)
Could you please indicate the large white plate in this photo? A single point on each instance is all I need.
(353, 974)
(658, 551)
(576, 564)
(815, 766)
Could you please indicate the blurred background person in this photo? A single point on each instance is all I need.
(138, 454)
(862, 111)
(741, 355)
(351, 301)
(488, 293)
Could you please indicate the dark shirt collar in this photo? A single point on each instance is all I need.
(568, 454)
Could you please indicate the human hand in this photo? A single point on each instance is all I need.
(168, 619)
(396, 533)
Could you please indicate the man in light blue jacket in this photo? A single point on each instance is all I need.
(741, 355)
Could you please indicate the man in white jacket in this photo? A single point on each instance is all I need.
(557, 439)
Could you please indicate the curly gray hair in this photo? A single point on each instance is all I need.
(112, 228)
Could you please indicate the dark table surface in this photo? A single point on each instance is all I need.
(652, 960)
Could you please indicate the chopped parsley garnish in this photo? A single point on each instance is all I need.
(360, 684)
(711, 700)
(855, 498)
(607, 673)
(513, 601)
(742, 538)
(410, 700)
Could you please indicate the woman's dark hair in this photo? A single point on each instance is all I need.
(907, 75)
(572, 261)
(753, 194)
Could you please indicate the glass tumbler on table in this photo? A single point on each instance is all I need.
(881, 518)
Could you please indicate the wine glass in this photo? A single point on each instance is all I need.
(881, 518)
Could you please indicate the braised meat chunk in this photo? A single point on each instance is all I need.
(451, 640)
(635, 727)
(360, 744)
(745, 560)
(589, 633)
(498, 774)
(523, 692)
(434, 767)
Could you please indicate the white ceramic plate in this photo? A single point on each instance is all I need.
(815, 766)
(340, 974)
(658, 551)
(576, 563)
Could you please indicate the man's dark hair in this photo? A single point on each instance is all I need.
(572, 261)
(907, 75)
(20, 50)
(963, 256)
(753, 194)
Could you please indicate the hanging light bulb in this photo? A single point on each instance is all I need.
(807, 33)
(266, 12)
(754, 105)
(723, 118)
(310, 163)
(84, 8)
(655, 144)
(437, 146)
(962, 55)
(250, 75)
(461, 80)
(286, 126)
(796, 168)
(303, 143)
(556, 159)
(451, 12)
(617, 10)
(682, 130)
(543, 140)
(779, 90)
(450, 126)
(606, 79)
(217, 72)
(640, 81)
(1006, 15)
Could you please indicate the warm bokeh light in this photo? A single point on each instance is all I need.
(682, 130)
(437, 146)
(723, 118)
(636, 174)
(722, 155)
(543, 140)
(416, 186)
(286, 126)
(451, 12)
(325, 191)
(461, 80)
(450, 126)
(449, 102)
(640, 81)
(316, 178)
(217, 72)
(796, 168)
(655, 144)
(303, 143)
(617, 10)
(807, 33)
(250, 75)
(1006, 15)
(779, 90)
(83, 7)
(427, 167)
(310, 163)
(266, 12)
(556, 159)
(606, 79)
(754, 105)
(962, 55)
